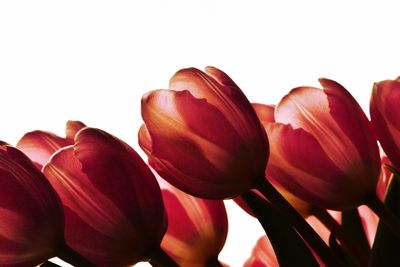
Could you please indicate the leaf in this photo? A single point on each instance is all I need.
(289, 248)
(351, 222)
(385, 250)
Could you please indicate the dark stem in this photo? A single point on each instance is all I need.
(161, 259)
(352, 249)
(298, 222)
(49, 264)
(386, 215)
(67, 254)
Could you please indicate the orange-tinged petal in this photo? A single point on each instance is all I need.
(197, 228)
(264, 112)
(113, 206)
(31, 228)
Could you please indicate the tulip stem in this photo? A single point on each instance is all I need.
(352, 249)
(388, 218)
(161, 259)
(67, 254)
(298, 222)
(49, 264)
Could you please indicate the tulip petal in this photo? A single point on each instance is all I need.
(384, 115)
(31, 228)
(321, 183)
(101, 169)
(72, 129)
(40, 145)
(352, 120)
(200, 134)
(221, 92)
(264, 112)
(325, 117)
(197, 228)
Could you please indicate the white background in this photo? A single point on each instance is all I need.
(93, 60)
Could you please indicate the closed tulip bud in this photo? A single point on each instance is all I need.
(384, 110)
(40, 145)
(203, 136)
(322, 148)
(31, 216)
(197, 228)
(114, 214)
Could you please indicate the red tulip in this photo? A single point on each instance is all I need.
(266, 115)
(203, 136)
(197, 228)
(384, 109)
(322, 148)
(31, 217)
(40, 145)
(114, 214)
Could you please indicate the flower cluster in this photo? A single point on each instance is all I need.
(309, 168)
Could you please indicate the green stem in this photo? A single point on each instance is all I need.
(387, 217)
(67, 254)
(161, 259)
(352, 249)
(298, 222)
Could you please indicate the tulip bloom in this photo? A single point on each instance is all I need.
(322, 148)
(31, 216)
(203, 136)
(40, 145)
(384, 110)
(114, 214)
(197, 228)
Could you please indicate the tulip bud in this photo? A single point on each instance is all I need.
(114, 214)
(384, 110)
(197, 228)
(203, 136)
(322, 148)
(40, 145)
(31, 217)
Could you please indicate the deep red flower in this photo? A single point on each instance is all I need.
(322, 147)
(31, 216)
(114, 214)
(203, 136)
